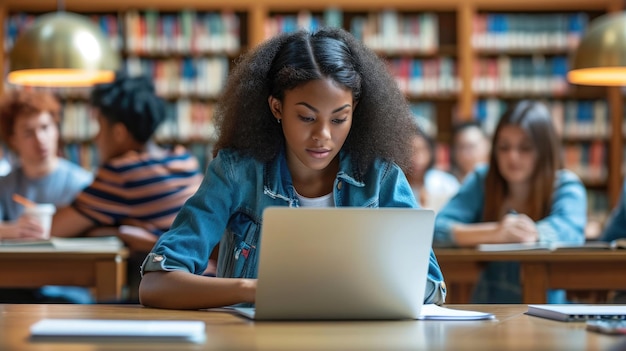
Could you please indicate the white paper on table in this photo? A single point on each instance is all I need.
(434, 312)
(162, 330)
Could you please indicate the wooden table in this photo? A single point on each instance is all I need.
(513, 330)
(573, 270)
(102, 267)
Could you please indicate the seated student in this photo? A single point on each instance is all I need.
(139, 187)
(306, 119)
(432, 187)
(524, 195)
(29, 125)
(470, 148)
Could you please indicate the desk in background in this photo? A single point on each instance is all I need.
(513, 330)
(572, 270)
(97, 263)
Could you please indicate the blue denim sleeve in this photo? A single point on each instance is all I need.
(464, 207)
(199, 225)
(615, 227)
(568, 216)
(396, 192)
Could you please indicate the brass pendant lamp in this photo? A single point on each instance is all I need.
(601, 55)
(62, 49)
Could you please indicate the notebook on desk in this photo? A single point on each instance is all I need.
(342, 263)
(556, 246)
(577, 312)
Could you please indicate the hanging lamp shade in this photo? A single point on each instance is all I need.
(62, 49)
(601, 55)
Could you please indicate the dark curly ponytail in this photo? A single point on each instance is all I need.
(131, 101)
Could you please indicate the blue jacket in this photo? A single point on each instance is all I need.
(615, 226)
(228, 207)
(566, 221)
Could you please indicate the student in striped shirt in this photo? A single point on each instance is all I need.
(139, 187)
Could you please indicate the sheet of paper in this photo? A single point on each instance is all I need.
(66, 243)
(434, 312)
(512, 247)
(25, 242)
(67, 329)
(87, 242)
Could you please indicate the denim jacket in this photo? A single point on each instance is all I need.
(228, 207)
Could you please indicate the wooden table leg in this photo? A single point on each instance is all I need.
(534, 280)
(110, 279)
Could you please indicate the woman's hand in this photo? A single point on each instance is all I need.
(518, 228)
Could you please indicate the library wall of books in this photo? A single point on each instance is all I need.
(455, 60)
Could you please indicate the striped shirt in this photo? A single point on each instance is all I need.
(145, 187)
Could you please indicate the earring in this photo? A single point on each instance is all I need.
(278, 120)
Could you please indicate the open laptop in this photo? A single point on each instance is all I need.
(342, 263)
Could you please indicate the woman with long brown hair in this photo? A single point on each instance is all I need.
(524, 195)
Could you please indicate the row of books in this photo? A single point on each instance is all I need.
(521, 75)
(304, 19)
(188, 31)
(392, 32)
(387, 31)
(185, 32)
(425, 76)
(174, 77)
(571, 118)
(185, 121)
(188, 121)
(152, 33)
(510, 31)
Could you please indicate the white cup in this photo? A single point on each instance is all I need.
(43, 213)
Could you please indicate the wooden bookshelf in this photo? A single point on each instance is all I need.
(464, 53)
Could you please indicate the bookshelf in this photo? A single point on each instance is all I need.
(469, 89)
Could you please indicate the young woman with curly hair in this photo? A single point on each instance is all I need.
(306, 119)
